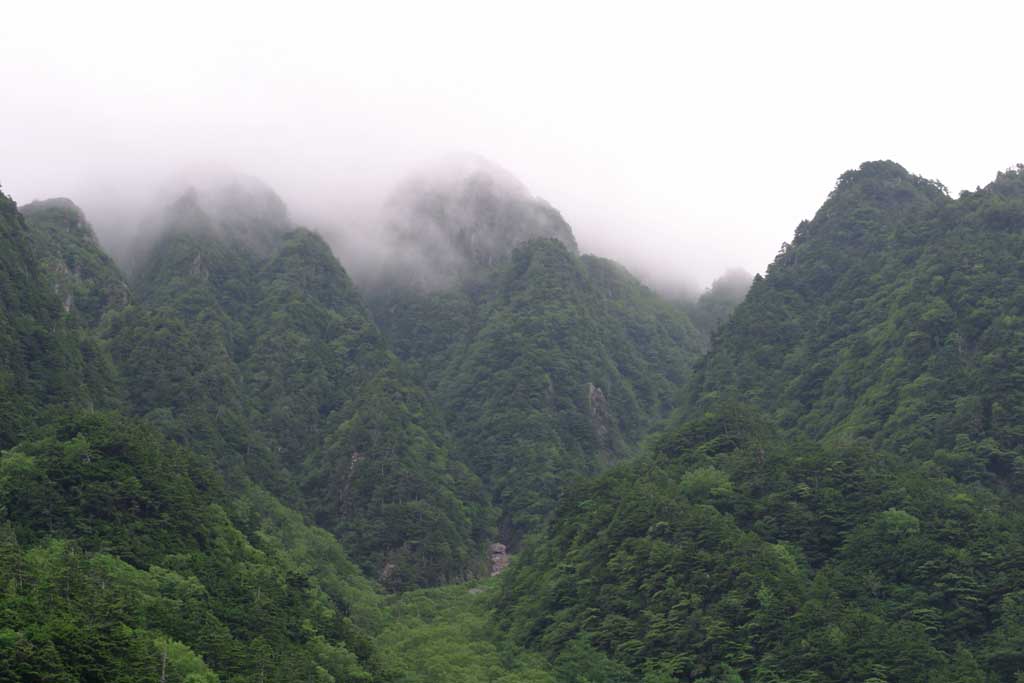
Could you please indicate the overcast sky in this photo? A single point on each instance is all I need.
(680, 138)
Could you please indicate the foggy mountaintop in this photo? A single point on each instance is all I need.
(678, 141)
(455, 216)
(563, 342)
(240, 209)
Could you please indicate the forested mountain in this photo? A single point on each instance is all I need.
(248, 341)
(894, 316)
(715, 305)
(231, 466)
(85, 279)
(839, 497)
(46, 361)
(548, 365)
(123, 558)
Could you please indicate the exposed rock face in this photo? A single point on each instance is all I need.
(498, 553)
(600, 416)
(82, 275)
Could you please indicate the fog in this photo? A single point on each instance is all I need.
(680, 140)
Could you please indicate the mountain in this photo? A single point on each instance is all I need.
(454, 221)
(46, 359)
(838, 497)
(547, 365)
(894, 316)
(241, 467)
(84, 277)
(248, 341)
(125, 556)
(715, 305)
(122, 556)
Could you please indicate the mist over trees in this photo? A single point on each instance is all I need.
(232, 461)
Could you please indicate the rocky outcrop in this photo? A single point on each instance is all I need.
(498, 554)
(600, 416)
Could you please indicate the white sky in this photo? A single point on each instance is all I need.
(680, 138)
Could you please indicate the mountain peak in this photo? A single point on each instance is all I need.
(465, 214)
(61, 214)
(239, 210)
(885, 184)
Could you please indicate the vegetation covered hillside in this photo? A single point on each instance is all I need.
(548, 365)
(252, 345)
(122, 558)
(84, 277)
(839, 498)
(232, 471)
(894, 316)
(46, 360)
(733, 553)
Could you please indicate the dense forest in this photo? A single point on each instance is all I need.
(224, 459)
(838, 498)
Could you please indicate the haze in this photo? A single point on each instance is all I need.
(680, 140)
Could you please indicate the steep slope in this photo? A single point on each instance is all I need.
(733, 552)
(895, 316)
(123, 558)
(714, 306)
(571, 362)
(249, 342)
(45, 358)
(84, 277)
(123, 555)
(549, 365)
(868, 525)
(453, 222)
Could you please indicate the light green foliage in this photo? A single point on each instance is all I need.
(447, 634)
(113, 539)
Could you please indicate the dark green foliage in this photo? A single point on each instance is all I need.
(154, 572)
(385, 484)
(867, 525)
(45, 359)
(549, 367)
(895, 315)
(113, 485)
(729, 550)
(83, 276)
(267, 360)
(716, 304)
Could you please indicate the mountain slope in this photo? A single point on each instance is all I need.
(867, 524)
(122, 554)
(46, 359)
(734, 553)
(249, 342)
(454, 222)
(548, 365)
(84, 277)
(894, 316)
